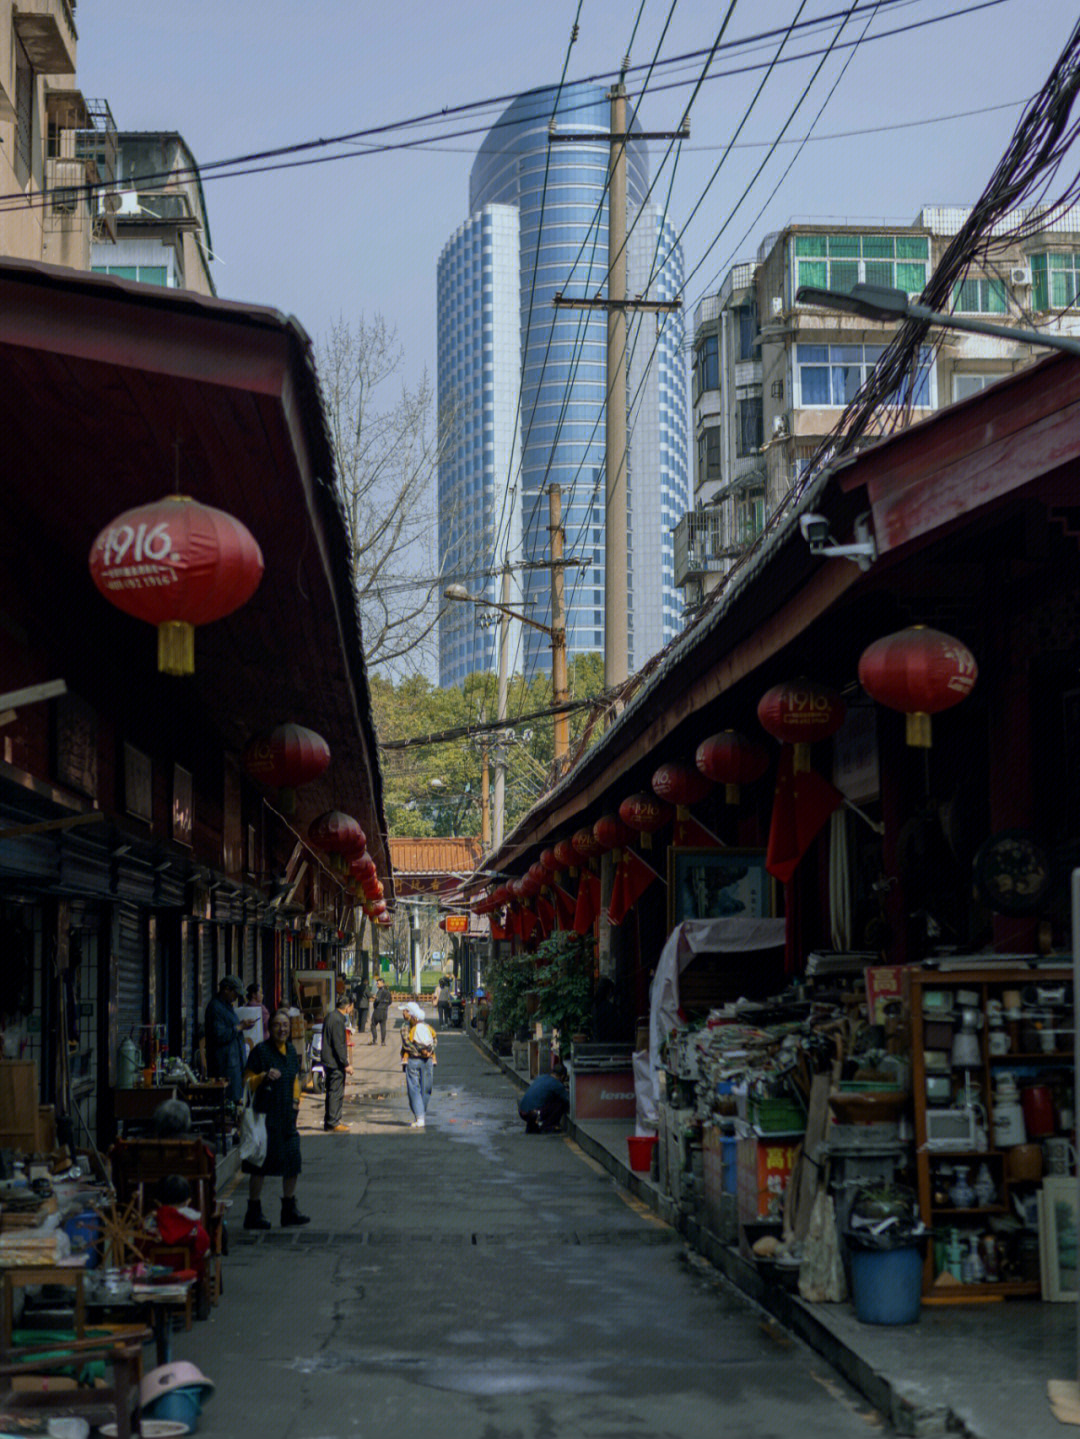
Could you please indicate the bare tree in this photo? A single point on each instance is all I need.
(387, 445)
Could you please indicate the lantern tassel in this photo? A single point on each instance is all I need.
(176, 648)
(800, 762)
(918, 729)
(731, 794)
(287, 800)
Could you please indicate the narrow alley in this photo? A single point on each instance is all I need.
(471, 1280)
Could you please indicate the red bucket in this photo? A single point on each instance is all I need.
(641, 1148)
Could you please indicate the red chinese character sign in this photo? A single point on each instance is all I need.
(454, 924)
(288, 756)
(921, 672)
(176, 564)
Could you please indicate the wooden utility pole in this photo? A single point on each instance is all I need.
(616, 588)
(559, 688)
(500, 739)
(485, 797)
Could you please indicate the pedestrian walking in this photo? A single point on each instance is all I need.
(418, 1061)
(379, 1010)
(444, 996)
(362, 1000)
(224, 1032)
(336, 1063)
(272, 1074)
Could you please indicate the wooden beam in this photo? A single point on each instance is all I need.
(33, 694)
(68, 822)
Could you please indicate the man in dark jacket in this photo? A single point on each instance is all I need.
(225, 1047)
(380, 1009)
(335, 1063)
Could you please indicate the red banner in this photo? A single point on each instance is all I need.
(632, 878)
(588, 902)
(803, 802)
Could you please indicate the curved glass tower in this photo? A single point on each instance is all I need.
(559, 193)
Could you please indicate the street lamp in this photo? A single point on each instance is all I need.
(890, 306)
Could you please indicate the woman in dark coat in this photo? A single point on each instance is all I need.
(272, 1074)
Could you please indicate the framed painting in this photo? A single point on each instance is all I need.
(1058, 1235)
(713, 883)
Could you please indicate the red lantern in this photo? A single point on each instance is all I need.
(288, 756)
(530, 886)
(384, 919)
(920, 671)
(801, 712)
(500, 896)
(549, 861)
(612, 833)
(176, 564)
(680, 784)
(585, 844)
(539, 873)
(514, 886)
(732, 760)
(337, 835)
(374, 889)
(645, 814)
(362, 868)
(379, 907)
(564, 853)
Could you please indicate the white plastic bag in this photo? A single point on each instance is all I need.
(252, 1134)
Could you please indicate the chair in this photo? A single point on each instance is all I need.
(138, 1165)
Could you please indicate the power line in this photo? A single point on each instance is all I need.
(248, 164)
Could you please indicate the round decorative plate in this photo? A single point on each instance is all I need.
(1012, 872)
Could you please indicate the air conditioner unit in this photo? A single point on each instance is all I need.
(778, 304)
(1020, 275)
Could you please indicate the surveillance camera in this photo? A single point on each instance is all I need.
(815, 530)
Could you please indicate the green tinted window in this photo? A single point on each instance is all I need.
(810, 244)
(912, 247)
(878, 247)
(843, 245)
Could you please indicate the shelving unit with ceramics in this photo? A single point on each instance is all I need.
(990, 985)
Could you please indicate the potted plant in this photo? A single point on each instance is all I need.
(565, 986)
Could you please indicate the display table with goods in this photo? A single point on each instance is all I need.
(995, 1127)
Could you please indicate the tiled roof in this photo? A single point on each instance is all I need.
(435, 855)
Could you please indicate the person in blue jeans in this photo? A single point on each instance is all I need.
(418, 1061)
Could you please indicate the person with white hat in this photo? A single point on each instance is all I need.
(417, 1060)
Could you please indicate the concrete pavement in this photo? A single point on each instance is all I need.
(471, 1280)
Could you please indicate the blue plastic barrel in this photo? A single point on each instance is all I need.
(886, 1284)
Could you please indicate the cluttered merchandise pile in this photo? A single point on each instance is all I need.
(101, 1258)
(892, 1136)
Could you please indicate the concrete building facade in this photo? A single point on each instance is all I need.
(771, 376)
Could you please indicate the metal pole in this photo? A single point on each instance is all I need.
(485, 800)
(559, 688)
(500, 738)
(616, 656)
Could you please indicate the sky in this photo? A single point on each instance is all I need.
(361, 234)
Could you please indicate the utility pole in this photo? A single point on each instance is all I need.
(485, 794)
(559, 688)
(500, 742)
(616, 589)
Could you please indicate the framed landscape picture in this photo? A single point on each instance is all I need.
(1058, 1238)
(712, 883)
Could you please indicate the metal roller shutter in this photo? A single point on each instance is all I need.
(130, 971)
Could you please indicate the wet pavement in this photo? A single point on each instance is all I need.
(471, 1280)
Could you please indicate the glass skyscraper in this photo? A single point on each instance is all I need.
(555, 431)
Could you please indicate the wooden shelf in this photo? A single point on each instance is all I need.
(988, 982)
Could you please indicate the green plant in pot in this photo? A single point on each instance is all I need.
(564, 983)
(509, 980)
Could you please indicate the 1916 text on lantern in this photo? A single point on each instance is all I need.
(176, 564)
(801, 712)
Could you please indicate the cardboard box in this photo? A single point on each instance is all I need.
(764, 1165)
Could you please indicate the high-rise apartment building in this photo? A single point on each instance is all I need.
(547, 400)
(771, 376)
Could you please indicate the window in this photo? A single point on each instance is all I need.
(707, 365)
(145, 274)
(709, 454)
(964, 385)
(24, 112)
(830, 375)
(750, 427)
(981, 297)
(746, 316)
(1055, 280)
(838, 262)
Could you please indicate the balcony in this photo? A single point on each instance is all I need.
(700, 548)
(46, 30)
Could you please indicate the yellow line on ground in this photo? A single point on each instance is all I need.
(631, 1201)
